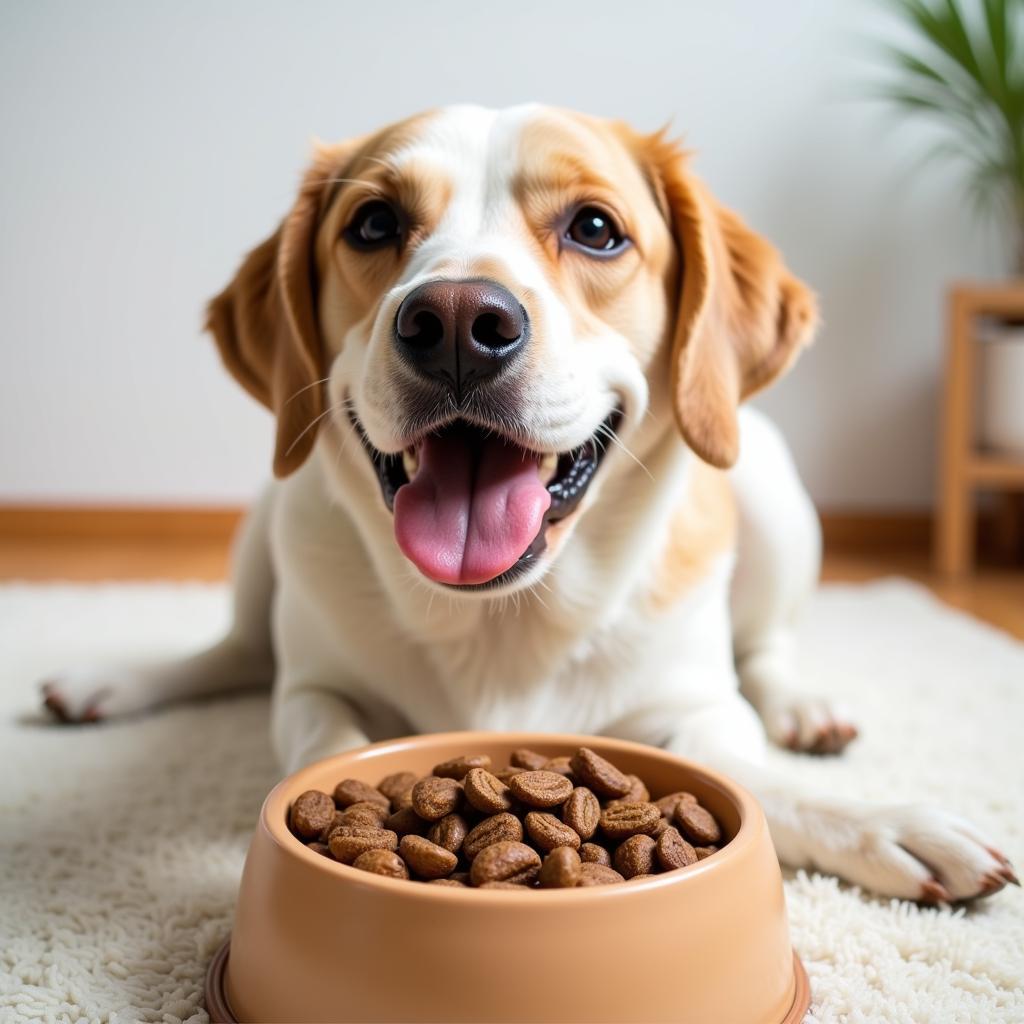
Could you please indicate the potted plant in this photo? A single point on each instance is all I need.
(966, 73)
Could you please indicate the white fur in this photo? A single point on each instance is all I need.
(364, 648)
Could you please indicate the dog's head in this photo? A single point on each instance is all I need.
(473, 307)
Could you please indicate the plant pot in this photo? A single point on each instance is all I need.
(1001, 394)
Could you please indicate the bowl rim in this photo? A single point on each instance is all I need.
(274, 816)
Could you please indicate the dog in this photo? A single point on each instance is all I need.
(515, 488)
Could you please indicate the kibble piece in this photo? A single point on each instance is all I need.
(638, 793)
(561, 869)
(662, 824)
(559, 765)
(322, 848)
(624, 820)
(433, 798)
(505, 862)
(404, 799)
(486, 792)
(591, 853)
(394, 785)
(704, 851)
(354, 791)
(449, 832)
(597, 874)
(406, 822)
(364, 812)
(337, 820)
(500, 828)
(311, 813)
(458, 767)
(427, 859)
(547, 832)
(382, 862)
(599, 774)
(697, 824)
(505, 774)
(673, 851)
(514, 886)
(540, 788)
(349, 841)
(635, 857)
(582, 812)
(453, 882)
(667, 804)
(528, 759)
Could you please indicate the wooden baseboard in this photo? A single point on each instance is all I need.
(842, 530)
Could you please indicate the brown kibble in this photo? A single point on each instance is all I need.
(349, 841)
(514, 886)
(363, 813)
(597, 874)
(427, 859)
(406, 822)
(540, 788)
(558, 765)
(547, 832)
(704, 851)
(598, 774)
(561, 869)
(662, 824)
(311, 813)
(459, 767)
(582, 812)
(393, 786)
(635, 857)
(354, 791)
(381, 862)
(505, 774)
(433, 798)
(500, 828)
(449, 832)
(673, 851)
(667, 804)
(505, 862)
(638, 793)
(591, 853)
(528, 759)
(624, 820)
(486, 792)
(336, 820)
(697, 824)
(322, 848)
(453, 882)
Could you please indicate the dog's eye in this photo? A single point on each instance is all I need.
(594, 229)
(375, 224)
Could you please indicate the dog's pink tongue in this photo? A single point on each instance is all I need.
(469, 513)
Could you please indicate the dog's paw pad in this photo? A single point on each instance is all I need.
(809, 725)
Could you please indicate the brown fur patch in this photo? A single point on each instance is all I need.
(702, 529)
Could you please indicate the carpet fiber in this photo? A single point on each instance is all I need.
(121, 845)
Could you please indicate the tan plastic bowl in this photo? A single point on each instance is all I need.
(315, 940)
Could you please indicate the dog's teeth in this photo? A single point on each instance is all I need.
(410, 463)
(548, 467)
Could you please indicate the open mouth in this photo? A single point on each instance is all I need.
(472, 507)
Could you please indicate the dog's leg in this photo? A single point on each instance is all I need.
(777, 567)
(241, 660)
(911, 851)
(309, 723)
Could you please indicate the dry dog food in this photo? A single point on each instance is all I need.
(548, 823)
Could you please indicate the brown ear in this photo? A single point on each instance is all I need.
(742, 316)
(265, 323)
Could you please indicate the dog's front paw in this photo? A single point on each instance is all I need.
(915, 852)
(807, 724)
(81, 696)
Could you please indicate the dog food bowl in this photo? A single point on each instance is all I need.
(315, 940)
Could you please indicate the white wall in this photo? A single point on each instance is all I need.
(144, 147)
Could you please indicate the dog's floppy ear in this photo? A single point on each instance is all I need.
(742, 317)
(265, 321)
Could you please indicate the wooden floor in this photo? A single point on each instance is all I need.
(175, 551)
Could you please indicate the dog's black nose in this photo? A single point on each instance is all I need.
(460, 332)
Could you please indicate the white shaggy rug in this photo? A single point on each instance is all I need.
(121, 845)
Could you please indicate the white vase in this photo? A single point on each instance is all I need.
(1001, 394)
